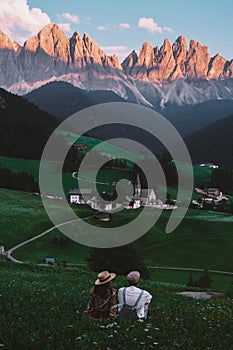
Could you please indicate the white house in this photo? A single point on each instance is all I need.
(209, 165)
(77, 196)
(132, 202)
(97, 205)
(2, 249)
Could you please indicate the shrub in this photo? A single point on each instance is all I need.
(121, 260)
(230, 290)
(204, 280)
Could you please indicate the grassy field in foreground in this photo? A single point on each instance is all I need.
(38, 311)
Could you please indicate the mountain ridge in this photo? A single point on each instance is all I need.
(213, 143)
(52, 56)
(24, 128)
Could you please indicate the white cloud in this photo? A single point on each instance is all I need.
(120, 51)
(124, 26)
(71, 17)
(114, 27)
(168, 29)
(66, 27)
(19, 21)
(102, 28)
(152, 26)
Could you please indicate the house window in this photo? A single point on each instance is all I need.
(74, 198)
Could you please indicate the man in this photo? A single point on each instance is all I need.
(133, 296)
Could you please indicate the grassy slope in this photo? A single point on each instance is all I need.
(32, 167)
(202, 239)
(105, 148)
(23, 216)
(37, 311)
(220, 282)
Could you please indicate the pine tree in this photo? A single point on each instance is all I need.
(205, 280)
(190, 282)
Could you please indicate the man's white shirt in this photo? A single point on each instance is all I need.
(131, 295)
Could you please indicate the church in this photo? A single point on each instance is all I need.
(142, 196)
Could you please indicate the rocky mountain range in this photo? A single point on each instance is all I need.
(172, 74)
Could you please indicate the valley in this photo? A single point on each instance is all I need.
(49, 72)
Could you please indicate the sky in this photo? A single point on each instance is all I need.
(122, 26)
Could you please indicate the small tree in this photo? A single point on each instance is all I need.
(230, 290)
(190, 282)
(204, 280)
(121, 260)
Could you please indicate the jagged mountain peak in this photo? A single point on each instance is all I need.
(181, 39)
(51, 39)
(166, 45)
(7, 43)
(51, 27)
(51, 55)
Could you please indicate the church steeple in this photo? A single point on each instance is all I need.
(137, 186)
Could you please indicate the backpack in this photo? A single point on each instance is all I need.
(127, 311)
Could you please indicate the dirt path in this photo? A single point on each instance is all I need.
(189, 269)
(11, 250)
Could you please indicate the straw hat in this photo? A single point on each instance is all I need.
(104, 277)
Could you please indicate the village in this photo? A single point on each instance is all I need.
(141, 198)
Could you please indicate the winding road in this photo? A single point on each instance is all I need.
(9, 252)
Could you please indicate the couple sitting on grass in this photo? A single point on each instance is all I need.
(134, 303)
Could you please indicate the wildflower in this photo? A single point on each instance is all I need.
(155, 343)
(110, 336)
(79, 338)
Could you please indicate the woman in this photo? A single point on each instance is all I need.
(102, 297)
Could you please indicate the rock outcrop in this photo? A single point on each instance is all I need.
(176, 61)
(51, 55)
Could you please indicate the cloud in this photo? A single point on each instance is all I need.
(66, 27)
(114, 27)
(152, 26)
(168, 29)
(124, 26)
(19, 21)
(120, 51)
(71, 17)
(102, 28)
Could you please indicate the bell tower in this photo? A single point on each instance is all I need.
(137, 187)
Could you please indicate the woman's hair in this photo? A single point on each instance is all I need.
(102, 290)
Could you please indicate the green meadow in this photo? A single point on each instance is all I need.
(42, 308)
(203, 239)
